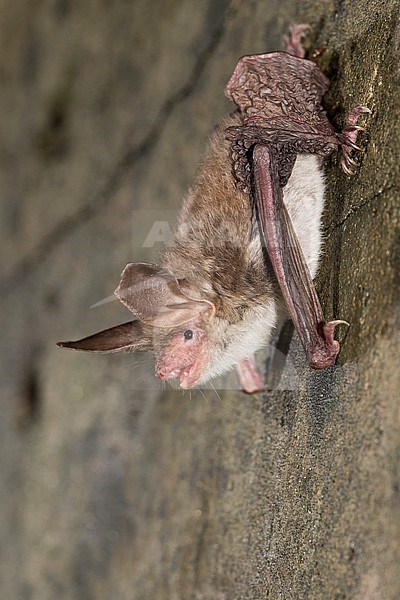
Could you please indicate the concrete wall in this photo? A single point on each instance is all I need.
(113, 487)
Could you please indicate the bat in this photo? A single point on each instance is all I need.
(246, 246)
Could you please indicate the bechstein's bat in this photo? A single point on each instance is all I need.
(216, 294)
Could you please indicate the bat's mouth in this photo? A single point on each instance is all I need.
(189, 376)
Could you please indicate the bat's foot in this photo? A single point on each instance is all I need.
(292, 41)
(347, 139)
(250, 380)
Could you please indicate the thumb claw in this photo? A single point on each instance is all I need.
(329, 329)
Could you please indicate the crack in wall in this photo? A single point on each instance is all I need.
(65, 228)
(354, 210)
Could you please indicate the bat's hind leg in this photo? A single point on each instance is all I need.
(347, 139)
(292, 41)
(250, 380)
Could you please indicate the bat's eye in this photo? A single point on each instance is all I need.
(188, 334)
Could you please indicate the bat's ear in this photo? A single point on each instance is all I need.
(128, 336)
(156, 297)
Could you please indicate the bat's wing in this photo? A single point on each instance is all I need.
(279, 97)
(289, 264)
(279, 85)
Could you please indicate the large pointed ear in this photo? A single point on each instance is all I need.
(155, 296)
(122, 337)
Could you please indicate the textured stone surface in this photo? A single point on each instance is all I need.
(112, 487)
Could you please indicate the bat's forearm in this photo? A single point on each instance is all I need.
(289, 264)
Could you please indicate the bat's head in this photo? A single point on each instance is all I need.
(183, 352)
(172, 320)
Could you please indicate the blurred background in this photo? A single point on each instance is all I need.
(112, 486)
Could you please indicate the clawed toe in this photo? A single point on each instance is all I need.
(355, 128)
(346, 169)
(347, 139)
(348, 142)
(346, 164)
(357, 112)
(362, 110)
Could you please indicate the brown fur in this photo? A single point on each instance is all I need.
(210, 246)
